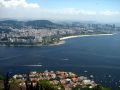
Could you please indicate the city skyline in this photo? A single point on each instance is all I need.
(62, 10)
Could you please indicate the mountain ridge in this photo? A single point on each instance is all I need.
(33, 23)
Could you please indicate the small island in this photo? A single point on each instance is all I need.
(49, 80)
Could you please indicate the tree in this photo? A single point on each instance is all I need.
(6, 82)
(45, 85)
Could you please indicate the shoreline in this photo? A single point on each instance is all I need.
(58, 43)
(37, 45)
(70, 37)
(62, 40)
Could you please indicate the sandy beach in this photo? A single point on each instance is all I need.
(69, 37)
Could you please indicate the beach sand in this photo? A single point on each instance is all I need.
(69, 37)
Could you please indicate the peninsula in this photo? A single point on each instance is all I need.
(50, 80)
(45, 32)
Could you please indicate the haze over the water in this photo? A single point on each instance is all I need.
(74, 10)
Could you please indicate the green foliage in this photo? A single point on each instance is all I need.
(99, 87)
(82, 88)
(46, 85)
(34, 24)
(1, 82)
(50, 40)
(105, 88)
(1, 77)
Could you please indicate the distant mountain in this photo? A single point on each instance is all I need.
(39, 23)
(34, 24)
(12, 23)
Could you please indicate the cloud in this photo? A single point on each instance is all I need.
(17, 3)
(110, 13)
(74, 11)
(75, 14)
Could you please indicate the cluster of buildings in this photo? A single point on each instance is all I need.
(28, 34)
(25, 36)
(36, 36)
(68, 80)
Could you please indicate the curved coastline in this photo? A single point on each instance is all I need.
(69, 37)
(62, 40)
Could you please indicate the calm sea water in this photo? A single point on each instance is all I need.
(98, 56)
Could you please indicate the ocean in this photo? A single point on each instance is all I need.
(97, 57)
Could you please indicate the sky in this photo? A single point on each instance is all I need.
(62, 10)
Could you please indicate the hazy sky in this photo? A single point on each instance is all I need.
(76, 10)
